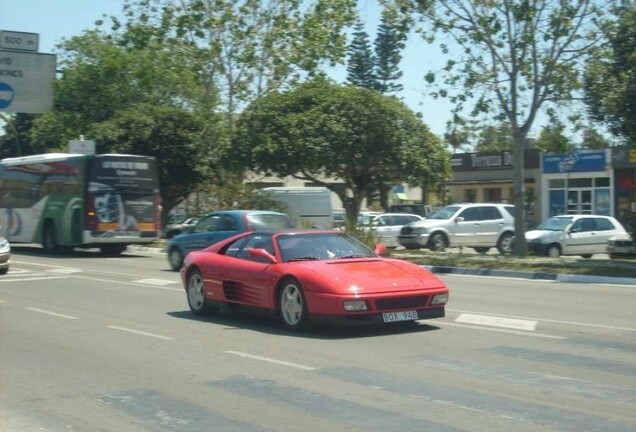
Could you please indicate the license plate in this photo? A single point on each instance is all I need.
(399, 316)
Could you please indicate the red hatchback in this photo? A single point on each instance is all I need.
(308, 277)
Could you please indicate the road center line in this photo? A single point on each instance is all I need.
(140, 332)
(51, 313)
(270, 360)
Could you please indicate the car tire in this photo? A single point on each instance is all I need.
(292, 306)
(49, 238)
(481, 250)
(175, 258)
(506, 243)
(586, 256)
(197, 301)
(553, 251)
(438, 242)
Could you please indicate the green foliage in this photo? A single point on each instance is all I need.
(388, 46)
(552, 139)
(593, 140)
(361, 61)
(319, 130)
(610, 78)
(495, 139)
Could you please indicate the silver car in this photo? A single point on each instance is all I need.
(5, 254)
(479, 226)
(387, 226)
(574, 234)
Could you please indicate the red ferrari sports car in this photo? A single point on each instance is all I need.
(308, 277)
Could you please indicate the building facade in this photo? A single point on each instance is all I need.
(624, 166)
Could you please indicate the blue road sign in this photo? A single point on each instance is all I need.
(6, 95)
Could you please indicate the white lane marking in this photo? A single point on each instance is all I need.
(270, 360)
(497, 277)
(159, 282)
(128, 283)
(574, 323)
(494, 321)
(65, 270)
(24, 279)
(139, 332)
(51, 313)
(499, 330)
(94, 271)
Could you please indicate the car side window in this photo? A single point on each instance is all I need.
(490, 213)
(584, 225)
(604, 225)
(234, 247)
(471, 214)
(226, 223)
(208, 223)
(257, 241)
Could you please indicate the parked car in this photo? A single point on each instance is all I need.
(571, 234)
(479, 226)
(387, 226)
(621, 246)
(5, 254)
(219, 225)
(310, 276)
(181, 227)
(339, 219)
(419, 209)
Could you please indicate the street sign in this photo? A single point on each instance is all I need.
(81, 146)
(26, 82)
(13, 40)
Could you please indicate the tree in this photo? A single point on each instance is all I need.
(246, 48)
(593, 140)
(388, 45)
(553, 140)
(361, 61)
(610, 78)
(514, 58)
(320, 130)
(494, 139)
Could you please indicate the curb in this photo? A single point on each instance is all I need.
(571, 278)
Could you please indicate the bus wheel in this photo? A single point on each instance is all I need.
(112, 250)
(49, 239)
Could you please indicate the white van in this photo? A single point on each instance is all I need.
(309, 207)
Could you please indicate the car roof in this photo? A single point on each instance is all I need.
(244, 212)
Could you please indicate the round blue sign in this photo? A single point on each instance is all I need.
(6, 95)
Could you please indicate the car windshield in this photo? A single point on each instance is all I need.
(555, 224)
(321, 246)
(444, 213)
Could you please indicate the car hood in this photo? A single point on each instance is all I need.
(373, 275)
(543, 235)
(429, 223)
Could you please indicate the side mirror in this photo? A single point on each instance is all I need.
(459, 219)
(379, 249)
(262, 253)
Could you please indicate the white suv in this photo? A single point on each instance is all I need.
(480, 226)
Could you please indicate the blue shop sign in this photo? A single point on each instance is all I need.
(574, 162)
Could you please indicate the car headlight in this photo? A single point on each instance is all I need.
(355, 305)
(440, 299)
(4, 244)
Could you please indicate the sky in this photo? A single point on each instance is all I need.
(55, 20)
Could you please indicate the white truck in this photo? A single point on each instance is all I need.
(309, 207)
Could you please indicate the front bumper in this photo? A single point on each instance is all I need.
(418, 240)
(374, 318)
(538, 248)
(5, 260)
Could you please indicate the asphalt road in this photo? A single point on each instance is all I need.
(89, 343)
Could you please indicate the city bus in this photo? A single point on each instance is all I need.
(63, 201)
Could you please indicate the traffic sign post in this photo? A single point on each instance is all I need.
(12, 40)
(26, 82)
